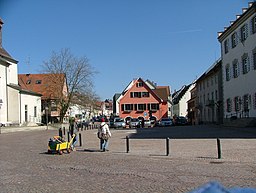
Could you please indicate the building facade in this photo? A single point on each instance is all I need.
(209, 95)
(238, 53)
(192, 107)
(138, 100)
(52, 87)
(180, 99)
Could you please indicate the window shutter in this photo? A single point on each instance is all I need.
(237, 39)
(231, 104)
(249, 63)
(250, 26)
(254, 101)
(249, 101)
(246, 31)
(231, 72)
(228, 44)
(238, 68)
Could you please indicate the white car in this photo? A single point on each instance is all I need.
(134, 123)
(118, 122)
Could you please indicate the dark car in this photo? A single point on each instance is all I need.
(181, 120)
(165, 122)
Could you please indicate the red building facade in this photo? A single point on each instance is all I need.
(138, 100)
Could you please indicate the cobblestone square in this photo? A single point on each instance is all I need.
(26, 167)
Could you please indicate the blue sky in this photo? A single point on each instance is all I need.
(166, 41)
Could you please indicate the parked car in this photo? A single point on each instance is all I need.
(134, 123)
(119, 123)
(181, 120)
(165, 122)
(147, 123)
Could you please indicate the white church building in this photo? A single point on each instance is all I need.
(17, 106)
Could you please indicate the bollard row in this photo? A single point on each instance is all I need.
(168, 146)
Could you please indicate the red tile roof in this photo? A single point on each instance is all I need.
(49, 85)
(163, 92)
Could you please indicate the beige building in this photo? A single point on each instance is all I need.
(209, 96)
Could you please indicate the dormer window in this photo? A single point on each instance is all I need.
(38, 81)
(28, 82)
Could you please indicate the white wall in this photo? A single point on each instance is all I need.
(12, 74)
(31, 102)
(244, 83)
(183, 109)
(3, 106)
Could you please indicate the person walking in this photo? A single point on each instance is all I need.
(74, 131)
(104, 134)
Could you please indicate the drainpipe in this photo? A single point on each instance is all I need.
(20, 107)
(7, 111)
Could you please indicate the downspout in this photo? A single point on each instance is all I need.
(7, 95)
(20, 107)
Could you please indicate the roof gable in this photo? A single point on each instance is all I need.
(180, 93)
(162, 92)
(133, 86)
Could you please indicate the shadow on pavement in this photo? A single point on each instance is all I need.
(90, 150)
(194, 132)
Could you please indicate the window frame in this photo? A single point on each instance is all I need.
(226, 46)
(243, 33)
(233, 40)
(254, 60)
(246, 102)
(235, 69)
(227, 72)
(127, 107)
(253, 25)
(139, 84)
(237, 104)
(153, 106)
(38, 81)
(229, 105)
(245, 64)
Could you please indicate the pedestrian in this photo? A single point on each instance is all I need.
(74, 131)
(104, 134)
(142, 123)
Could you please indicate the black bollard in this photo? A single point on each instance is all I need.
(68, 137)
(80, 139)
(167, 146)
(64, 131)
(127, 144)
(60, 132)
(219, 148)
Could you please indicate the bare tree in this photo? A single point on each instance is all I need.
(78, 77)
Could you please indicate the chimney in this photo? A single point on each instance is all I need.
(1, 24)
